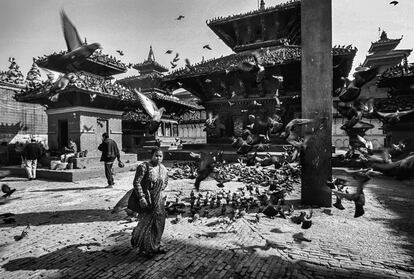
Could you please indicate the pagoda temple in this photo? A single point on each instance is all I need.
(148, 82)
(384, 57)
(81, 105)
(269, 37)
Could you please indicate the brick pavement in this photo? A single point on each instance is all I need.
(73, 235)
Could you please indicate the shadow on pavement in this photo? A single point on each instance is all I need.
(182, 259)
(398, 197)
(69, 189)
(64, 217)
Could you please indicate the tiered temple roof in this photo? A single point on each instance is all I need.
(12, 77)
(149, 82)
(98, 63)
(271, 26)
(267, 57)
(383, 52)
(269, 37)
(398, 76)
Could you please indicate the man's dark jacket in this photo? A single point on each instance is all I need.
(109, 150)
(32, 151)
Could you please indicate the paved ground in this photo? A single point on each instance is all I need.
(73, 235)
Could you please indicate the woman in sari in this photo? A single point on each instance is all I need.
(150, 180)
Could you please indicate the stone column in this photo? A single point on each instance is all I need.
(316, 25)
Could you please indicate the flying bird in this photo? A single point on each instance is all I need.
(176, 58)
(77, 50)
(392, 117)
(7, 190)
(207, 47)
(169, 51)
(62, 82)
(151, 108)
(188, 64)
(394, 3)
(180, 17)
(173, 65)
(291, 134)
(120, 52)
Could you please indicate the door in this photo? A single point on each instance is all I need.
(62, 133)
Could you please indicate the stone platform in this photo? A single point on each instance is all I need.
(90, 167)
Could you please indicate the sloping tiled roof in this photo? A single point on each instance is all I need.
(283, 6)
(267, 57)
(394, 73)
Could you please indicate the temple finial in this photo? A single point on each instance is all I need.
(151, 56)
(262, 4)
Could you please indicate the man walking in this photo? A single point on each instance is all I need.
(31, 153)
(110, 151)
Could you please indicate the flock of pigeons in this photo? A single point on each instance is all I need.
(354, 109)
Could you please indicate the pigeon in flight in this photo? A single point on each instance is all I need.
(394, 3)
(180, 17)
(77, 50)
(176, 58)
(392, 117)
(120, 52)
(169, 51)
(173, 65)
(151, 108)
(207, 47)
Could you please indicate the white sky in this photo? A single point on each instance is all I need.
(32, 28)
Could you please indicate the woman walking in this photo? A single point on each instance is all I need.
(147, 199)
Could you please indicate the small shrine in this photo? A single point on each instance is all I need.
(266, 61)
(134, 122)
(81, 105)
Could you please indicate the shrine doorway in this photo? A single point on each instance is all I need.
(63, 133)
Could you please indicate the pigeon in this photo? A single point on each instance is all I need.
(188, 64)
(7, 190)
(291, 133)
(77, 50)
(173, 65)
(401, 169)
(393, 117)
(151, 108)
(169, 51)
(207, 163)
(394, 3)
(176, 58)
(62, 82)
(120, 52)
(307, 222)
(207, 47)
(298, 237)
(180, 17)
(23, 234)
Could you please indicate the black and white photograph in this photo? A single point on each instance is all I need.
(217, 139)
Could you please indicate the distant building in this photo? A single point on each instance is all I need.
(149, 82)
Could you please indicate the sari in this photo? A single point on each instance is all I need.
(149, 182)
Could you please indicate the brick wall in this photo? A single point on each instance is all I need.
(20, 121)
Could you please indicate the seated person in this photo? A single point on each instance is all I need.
(69, 151)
